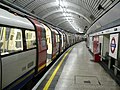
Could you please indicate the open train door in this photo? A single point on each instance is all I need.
(49, 44)
(42, 46)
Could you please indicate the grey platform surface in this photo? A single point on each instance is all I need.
(79, 73)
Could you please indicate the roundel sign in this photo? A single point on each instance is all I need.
(113, 45)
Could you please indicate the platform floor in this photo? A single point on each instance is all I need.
(78, 72)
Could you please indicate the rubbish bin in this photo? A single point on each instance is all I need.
(97, 57)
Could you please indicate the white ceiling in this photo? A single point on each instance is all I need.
(71, 15)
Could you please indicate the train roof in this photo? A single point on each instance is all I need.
(10, 19)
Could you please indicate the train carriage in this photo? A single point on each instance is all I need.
(18, 51)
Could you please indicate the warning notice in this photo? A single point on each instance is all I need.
(113, 45)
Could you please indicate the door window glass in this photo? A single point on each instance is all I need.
(30, 39)
(43, 38)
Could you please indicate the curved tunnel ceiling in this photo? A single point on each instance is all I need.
(70, 11)
(71, 15)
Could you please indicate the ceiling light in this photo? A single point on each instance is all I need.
(63, 7)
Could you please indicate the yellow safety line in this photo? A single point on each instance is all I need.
(41, 67)
(54, 57)
(55, 71)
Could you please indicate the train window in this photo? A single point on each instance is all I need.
(9, 42)
(30, 39)
(7, 33)
(43, 38)
(53, 37)
(43, 34)
(64, 38)
(57, 38)
(18, 37)
(1, 33)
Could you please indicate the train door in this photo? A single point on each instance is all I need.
(57, 42)
(42, 48)
(67, 40)
(61, 42)
(49, 44)
(64, 41)
(70, 40)
(54, 45)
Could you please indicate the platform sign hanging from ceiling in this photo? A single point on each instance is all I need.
(113, 45)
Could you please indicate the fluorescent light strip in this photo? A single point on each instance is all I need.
(66, 14)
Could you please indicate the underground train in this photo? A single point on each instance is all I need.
(27, 47)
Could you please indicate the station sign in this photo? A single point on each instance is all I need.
(113, 45)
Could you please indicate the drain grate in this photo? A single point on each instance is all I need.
(86, 80)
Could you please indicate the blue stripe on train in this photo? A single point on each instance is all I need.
(21, 84)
